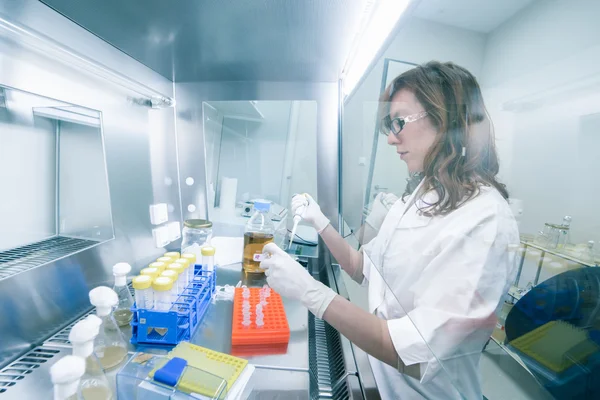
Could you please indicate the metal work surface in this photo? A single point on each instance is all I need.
(318, 363)
(234, 40)
(215, 330)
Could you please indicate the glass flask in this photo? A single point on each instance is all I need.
(122, 314)
(65, 375)
(93, 385)
(110, 345)
(564, 240)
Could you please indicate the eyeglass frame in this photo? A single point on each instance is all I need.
(402, 121)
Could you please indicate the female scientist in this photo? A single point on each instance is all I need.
(443, 257)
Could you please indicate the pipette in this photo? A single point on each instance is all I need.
(297, 219)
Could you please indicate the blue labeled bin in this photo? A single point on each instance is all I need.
(181, 321)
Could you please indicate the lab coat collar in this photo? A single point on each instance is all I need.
(411, 216)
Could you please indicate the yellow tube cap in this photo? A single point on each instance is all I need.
(208, 251)
(173, 255)
(160, 266)
(183, 261)
(166, 260)
(142, 282)
(152, 272)
(162, 284)
(179, 268)
(171, 274)
(189, 256)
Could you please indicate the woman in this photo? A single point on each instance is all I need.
(444, 255)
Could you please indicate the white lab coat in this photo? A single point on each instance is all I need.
(439, 282)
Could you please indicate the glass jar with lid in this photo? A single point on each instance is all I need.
(196, 234)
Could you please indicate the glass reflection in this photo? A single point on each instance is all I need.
(544, 108)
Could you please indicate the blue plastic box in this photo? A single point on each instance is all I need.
(181, 321)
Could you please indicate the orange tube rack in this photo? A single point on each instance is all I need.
(275, 330)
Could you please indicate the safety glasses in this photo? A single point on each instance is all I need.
(396, 125)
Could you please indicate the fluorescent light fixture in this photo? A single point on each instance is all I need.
(74, 114)
(381, 16)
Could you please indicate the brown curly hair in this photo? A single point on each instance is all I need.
(463, 156)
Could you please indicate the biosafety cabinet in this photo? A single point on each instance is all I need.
(120, 120)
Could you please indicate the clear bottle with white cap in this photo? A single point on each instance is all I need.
(93, 384)
(122, 314)
(110, 345)
(66, 374)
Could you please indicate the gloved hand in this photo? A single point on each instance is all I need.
(290, 279)
(312, 212)
(382, 204)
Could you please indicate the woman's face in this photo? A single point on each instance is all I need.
(416, 138)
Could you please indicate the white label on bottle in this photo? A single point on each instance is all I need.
(258, 257)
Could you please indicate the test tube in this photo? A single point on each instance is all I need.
(163, 296)
(186, 265)
(208, 258)
(172, 275)
(192, 259)
(180, 270)
(144, 297)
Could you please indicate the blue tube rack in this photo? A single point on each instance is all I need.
(180, 322)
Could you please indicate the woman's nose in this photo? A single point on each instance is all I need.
(393, 139)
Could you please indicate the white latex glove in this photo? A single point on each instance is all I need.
(290, 279)
(311, 213)
(382, 204)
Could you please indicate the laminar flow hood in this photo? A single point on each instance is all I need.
(233, 40)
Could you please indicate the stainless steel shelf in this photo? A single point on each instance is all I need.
(23, 258)
(558, 254)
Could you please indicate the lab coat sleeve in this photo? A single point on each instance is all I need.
(367, 251)
(456, 296)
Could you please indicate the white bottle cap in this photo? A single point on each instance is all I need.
(93, 318)
(82, 337)
(104, 298)
(120, 271)
(65, 375)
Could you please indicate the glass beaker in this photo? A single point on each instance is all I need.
(548, 237)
